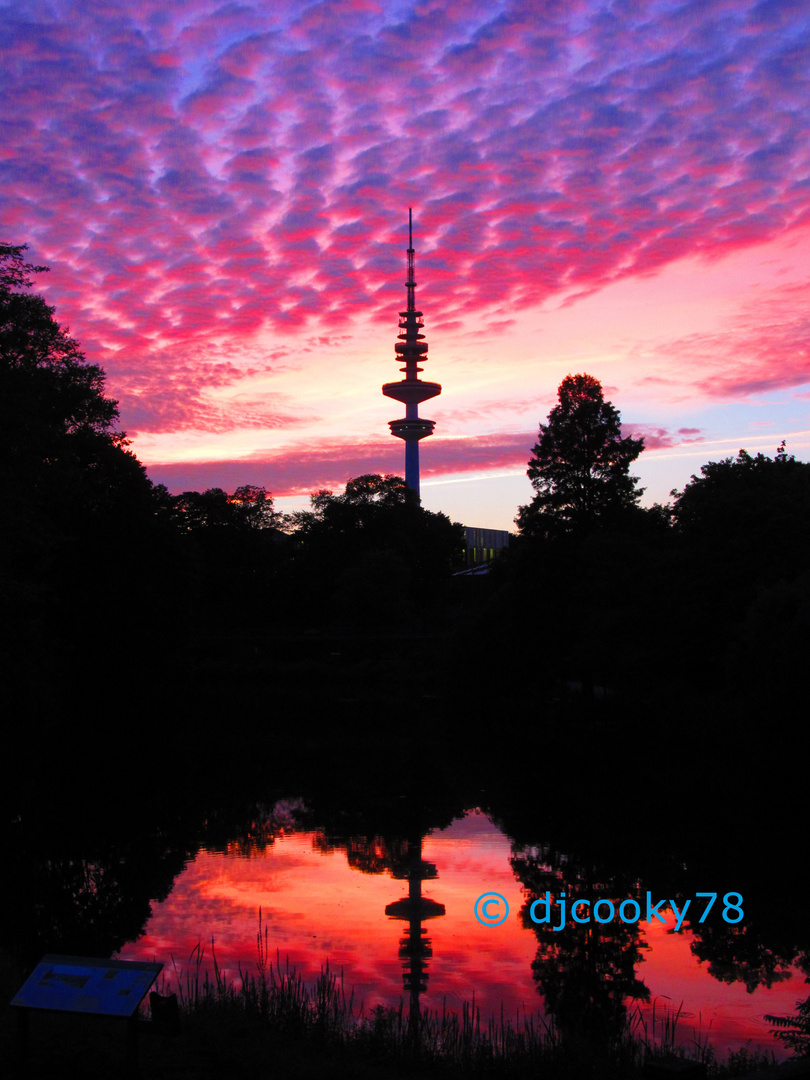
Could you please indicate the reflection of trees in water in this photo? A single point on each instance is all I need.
(368, 854)
(88, 890)
(402, 859)
(726, 839)
(87, 897)
(395, 847)
(794, 1031)
(739, 954)
(248, 833)
(585, 971)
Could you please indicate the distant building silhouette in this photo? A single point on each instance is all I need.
(484, 545)
(412, 349)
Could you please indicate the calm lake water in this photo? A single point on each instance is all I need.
(325, 899)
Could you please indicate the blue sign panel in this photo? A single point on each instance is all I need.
(86, 985)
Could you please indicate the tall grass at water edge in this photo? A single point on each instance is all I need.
(278, 1002)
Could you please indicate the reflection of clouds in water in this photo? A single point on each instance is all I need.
(316, 907)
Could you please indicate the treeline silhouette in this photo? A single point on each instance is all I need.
(700, 608)
(640, 669)
(126, 608)
(124, 605)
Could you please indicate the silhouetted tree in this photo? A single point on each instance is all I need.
(742, 588)
(255, 508)
(794, 1031)
(364, 501)
(79, 532)
(739, 954)
(249, 507)
(373, 553)
(14, 270)
(60, 455)
(580, 465)
(748, 504)
(233, 547)
(587, 971)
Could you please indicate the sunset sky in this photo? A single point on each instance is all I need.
(221, 190)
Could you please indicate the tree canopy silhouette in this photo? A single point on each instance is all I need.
(79, 530)
(580, 465)
(374, 550)
(60, 454)
(249, 508)
(747, 500)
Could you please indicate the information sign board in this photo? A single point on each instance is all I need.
(86, 985)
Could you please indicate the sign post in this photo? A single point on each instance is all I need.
(82, 984)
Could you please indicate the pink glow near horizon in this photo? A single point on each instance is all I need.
(222, 195)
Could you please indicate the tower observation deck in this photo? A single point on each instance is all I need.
(411, 348)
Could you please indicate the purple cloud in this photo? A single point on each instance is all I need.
(181, 171)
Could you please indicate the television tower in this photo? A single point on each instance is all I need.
(411, 348)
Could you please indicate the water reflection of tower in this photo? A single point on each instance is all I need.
(412, 348)
(415, 948)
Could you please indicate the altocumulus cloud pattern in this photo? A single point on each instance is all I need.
(202, 173)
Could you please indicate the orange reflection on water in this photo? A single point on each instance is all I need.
(724, 1013)
(316, 908)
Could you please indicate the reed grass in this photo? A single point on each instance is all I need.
(279, 1005)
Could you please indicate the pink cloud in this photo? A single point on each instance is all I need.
(659, 438)
(764, 348)
(303, 468)
(184, 173)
